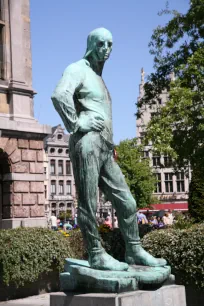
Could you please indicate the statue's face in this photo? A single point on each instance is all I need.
(100, 43)
(103, 48)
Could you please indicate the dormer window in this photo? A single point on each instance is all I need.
(59, 136)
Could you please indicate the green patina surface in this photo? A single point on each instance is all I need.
(79, 276)
(84, 104)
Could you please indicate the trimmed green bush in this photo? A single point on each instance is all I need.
(77, 245)
(27, 253)
(184, 251)
(111, 240)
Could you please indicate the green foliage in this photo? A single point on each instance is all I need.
(137, 172)
(182, 221)
(65, 215)
(77, 245)
(184, 251)
(113, 241)
(178, 47)
(196, 195)
(26, 253)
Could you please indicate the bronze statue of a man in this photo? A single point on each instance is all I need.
(84, 104)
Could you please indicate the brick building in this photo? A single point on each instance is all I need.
(171, 188)
(21, 136)
(60, 191)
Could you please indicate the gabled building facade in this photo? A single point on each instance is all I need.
(171, 188)
(59, 184)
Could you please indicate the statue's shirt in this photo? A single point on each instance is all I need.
(81, 92)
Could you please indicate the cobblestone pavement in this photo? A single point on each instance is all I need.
(37, 300)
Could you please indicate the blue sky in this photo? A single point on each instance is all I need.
(59, 31)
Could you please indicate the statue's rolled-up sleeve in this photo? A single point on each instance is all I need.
(62, 96)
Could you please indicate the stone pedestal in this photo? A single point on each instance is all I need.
(166, 296)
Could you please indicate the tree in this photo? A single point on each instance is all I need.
(178, 47)
(137, 172)
(196, 195)
(178, 128)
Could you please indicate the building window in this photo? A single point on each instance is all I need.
(180, 182)
(160, 101)
(154, 114)
(156, 159)
(45, 191)
(52, 150)
(61, 206)
(2, 29)
(52, 166)
(60, 151)
(68, 187)
(60, 167)
(167, 161)
(158, 186)
(168, 182)
(45, 170)
(61, 187)
(142, 135)
(68, 167)
(145, 154)
(69, 205)
(54, 205)
(53, 187)
(59, 136)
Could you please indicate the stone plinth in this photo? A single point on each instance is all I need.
(172, 295)
(79, 276)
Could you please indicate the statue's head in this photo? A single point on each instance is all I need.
(99, 44)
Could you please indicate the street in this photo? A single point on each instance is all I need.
(39, 300)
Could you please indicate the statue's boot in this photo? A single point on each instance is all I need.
(100, 260)
(136, 255)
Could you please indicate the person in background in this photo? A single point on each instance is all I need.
(108, 222)
(166, 219)
(153, 221)
(160, 223)
(171, 217)
(142, 219)
(53, 221)
(67, 226)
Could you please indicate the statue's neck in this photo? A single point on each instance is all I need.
(95, 65)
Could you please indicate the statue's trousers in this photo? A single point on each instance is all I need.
(94, 166)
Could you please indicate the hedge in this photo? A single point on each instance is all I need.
(184, 251)
(27, 253)
(111, 240)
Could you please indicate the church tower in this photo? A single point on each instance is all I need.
(21, 136)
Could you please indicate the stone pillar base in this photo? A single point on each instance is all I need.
(166, 296)
(24, 222)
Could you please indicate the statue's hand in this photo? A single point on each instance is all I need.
(87, 123)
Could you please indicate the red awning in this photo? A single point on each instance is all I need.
(166, 206)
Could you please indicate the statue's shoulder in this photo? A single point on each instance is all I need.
(77, 68)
